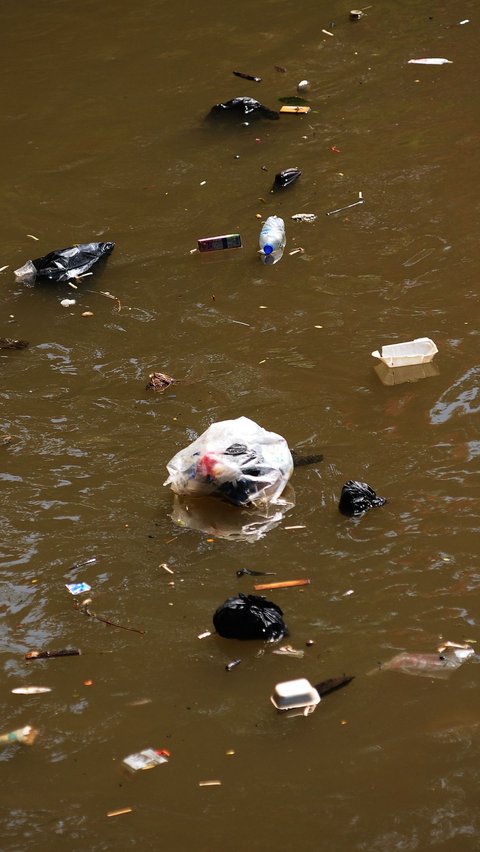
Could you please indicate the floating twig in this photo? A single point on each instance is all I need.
(89, 612)
(46, 655)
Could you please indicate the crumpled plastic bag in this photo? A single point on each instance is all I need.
(250, 617)
(357, 497)
(243, 107)
(223, 520)
(438, 666)
(63, 264)
(235, 460)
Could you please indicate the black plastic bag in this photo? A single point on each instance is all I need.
(285, 178)
(243, 107)
(250, 617)
(357, 498)
(64, 264)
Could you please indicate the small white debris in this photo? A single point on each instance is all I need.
(67, 303)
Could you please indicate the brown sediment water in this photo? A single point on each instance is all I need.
(104, 137)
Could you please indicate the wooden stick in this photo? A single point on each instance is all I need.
(287, 584)
(44, 655)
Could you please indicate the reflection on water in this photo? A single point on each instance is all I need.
(215, 517)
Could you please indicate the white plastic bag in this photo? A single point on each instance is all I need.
(235, 460)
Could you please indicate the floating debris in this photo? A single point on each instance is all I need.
(12, 343)
(361, 200)
(159, 382)
(30, 690)
(23, 736)
(47, 655)
(286, 584)
(247, 76)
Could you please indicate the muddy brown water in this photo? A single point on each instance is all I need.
(103, 137)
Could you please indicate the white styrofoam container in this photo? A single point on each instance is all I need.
(418, 351)
(294, 694)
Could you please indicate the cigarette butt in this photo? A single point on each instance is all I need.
(213, 783)
(300, 526)
(33, 237)
(119, 812)
(287, 584)
(204, 634)
(166, 568)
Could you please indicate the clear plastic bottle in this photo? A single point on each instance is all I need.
(272, 239)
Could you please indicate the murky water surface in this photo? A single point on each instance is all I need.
(104, 137)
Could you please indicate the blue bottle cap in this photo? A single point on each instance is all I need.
(268, 249)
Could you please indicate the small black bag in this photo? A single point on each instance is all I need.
(65, 264)
(243, 107)
(357, 498)
(250, 617)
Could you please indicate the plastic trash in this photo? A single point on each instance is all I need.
(357, 498)
(438, 665)
(23, 736)
(242, 107)
(295, 694)
(146, 759)
(288, 651)
(64, 264)
(303, 86)
(304, 217)
(235, 460)
(77, 588)
(272, 239)
(399, 375)
(356, 14)
(435, 60)
(250, 617)
(285, 178)
(422, 350)
(224, 241)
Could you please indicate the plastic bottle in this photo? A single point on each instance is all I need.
(272, 238)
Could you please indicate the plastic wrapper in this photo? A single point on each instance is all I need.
(64, 264)
(285, 178)
(235, 460)
(242, 107)
(438, 666)
(223, 520)
(250, 617)
(357, 498)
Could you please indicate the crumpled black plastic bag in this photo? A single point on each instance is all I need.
(243, 107)
(67, 263)
(250, 617)
(357, 498)
(285, 178)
